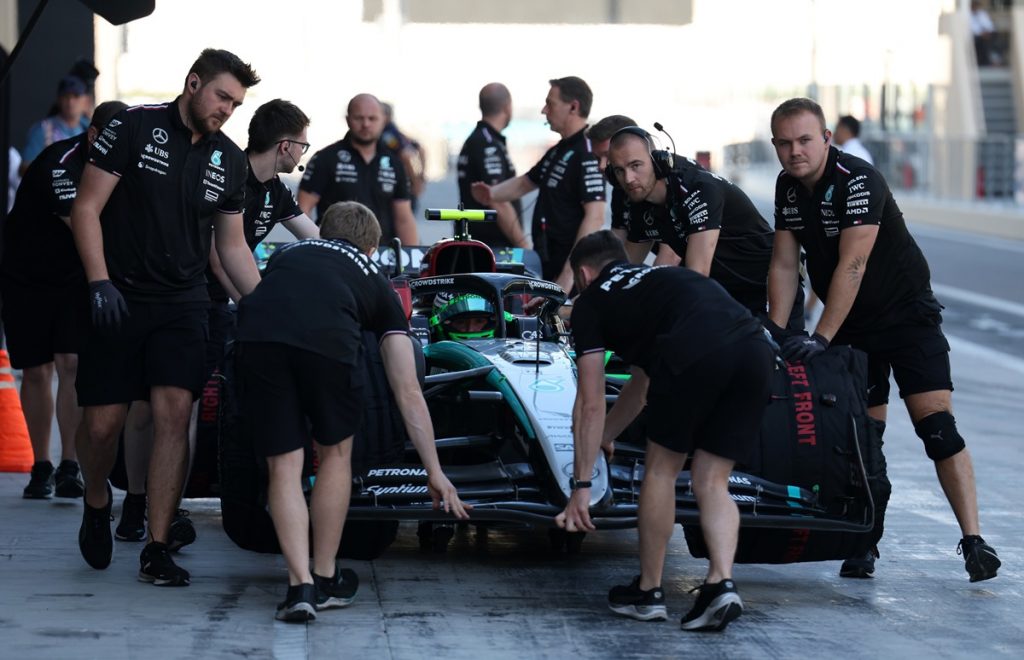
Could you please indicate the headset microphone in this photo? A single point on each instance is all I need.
(300, 168)
(661, 129)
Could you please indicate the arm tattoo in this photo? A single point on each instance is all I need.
(855, 271)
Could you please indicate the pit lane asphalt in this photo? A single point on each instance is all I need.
(509, 597)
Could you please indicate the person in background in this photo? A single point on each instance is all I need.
(69, 119)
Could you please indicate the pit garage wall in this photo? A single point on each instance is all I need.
(63, 35)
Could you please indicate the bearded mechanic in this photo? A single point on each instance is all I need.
(875, 283)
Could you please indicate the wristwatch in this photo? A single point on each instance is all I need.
(576, 485)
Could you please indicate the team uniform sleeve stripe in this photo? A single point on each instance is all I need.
(288, 217)
(231, 212)
(392, 332)
(593, 350)
(842, 169)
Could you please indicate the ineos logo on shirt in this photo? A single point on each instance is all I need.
(160, 136)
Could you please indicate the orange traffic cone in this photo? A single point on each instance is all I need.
(15, 446)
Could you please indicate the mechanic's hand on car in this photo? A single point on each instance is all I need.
(779, 334)
(576, 517)
(608, 449)
(443, 493)
(801, 348)
(107, 306)
(481, 192)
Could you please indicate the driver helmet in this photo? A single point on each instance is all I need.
(463, 316)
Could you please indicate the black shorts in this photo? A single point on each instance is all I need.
(40, 323)
(715, 404)
(158, 344)
(917, 355)
(285, 391)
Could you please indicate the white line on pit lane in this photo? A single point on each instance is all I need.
(1003, 360)
(975, 298)
(956, 236)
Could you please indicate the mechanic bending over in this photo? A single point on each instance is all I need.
(290, 374)
(875, 284)
(600, 135)
(703, 218)
(702, 363)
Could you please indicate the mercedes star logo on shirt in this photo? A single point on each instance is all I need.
(160, 135)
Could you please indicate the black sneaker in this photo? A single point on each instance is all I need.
(68, 479)
(40, 483)
(717, 605)
(132, 526)
(182, 531)
(337, 591)
(157, 567)
(94, 539)
(632, 601)
(980, 559)
(298, 605)
(862, 566)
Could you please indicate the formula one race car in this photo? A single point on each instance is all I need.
(500, 385)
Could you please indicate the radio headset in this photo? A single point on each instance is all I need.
(662, 160)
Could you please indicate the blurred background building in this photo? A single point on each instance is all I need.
(941, 124)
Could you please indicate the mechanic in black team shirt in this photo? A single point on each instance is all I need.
(277, 139)
(875, 284)
(702, 364)
(360, 168)
(570, 203)
(484, 157)
(299, 335)
(44, 304)
(710, 225)
(159, 178)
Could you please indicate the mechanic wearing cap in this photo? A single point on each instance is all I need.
(68, 120)
(44, 302)
(360, 168)
(159, 178)
(706, 220)
(875, 284)
(300, 342)
(701, 363)
(484, 157)
(570, 201)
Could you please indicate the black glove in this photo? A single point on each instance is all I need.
(106, 305)
(779, 334)
(801, 348)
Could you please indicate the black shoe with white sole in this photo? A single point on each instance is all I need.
(337, 591)
(157, 567)
(862, 566)
(299, 604)
(717, 605)
(636, 603)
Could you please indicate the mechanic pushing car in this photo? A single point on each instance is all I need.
(291, 375)
(709, 223)
(875, 283)
(703, 363)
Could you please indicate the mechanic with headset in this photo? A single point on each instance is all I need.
(570, 201)
(300, 342)
(707, 221)
(159, 178)
(875, 283)
(701, 363)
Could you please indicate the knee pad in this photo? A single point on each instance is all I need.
(941, 439)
